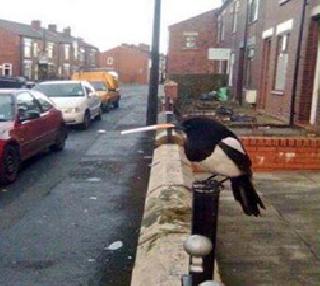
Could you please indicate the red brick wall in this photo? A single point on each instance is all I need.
(10, 50)
(131, 63)
(268, 154)
(183, 60)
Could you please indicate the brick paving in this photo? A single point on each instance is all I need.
(283, 246)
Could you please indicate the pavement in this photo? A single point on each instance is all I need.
(282, 247)
(73, 218)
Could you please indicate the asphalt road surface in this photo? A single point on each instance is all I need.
(73, 218)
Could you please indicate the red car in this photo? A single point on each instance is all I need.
(29, 124)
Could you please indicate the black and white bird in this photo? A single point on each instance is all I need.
(218, 150)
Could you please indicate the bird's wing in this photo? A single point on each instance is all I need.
(241, 159)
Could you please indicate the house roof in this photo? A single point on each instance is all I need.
(29, 31)
(214, 11)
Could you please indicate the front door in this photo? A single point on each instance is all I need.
(265, 73)
(316, 85)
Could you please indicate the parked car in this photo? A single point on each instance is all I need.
(105, 84)
(12, 82)
(77, 100)
(29, 124)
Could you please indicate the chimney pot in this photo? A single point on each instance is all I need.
(52, 28)
(36, 24)
(67, 31)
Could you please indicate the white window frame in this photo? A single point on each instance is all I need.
(109, 60)
(35, 49)
(67, 50)
(236, 6)
(50, 47)
(67, 69)
(4, 67)
(75, 50)
(29, 63)
(82, 55)
(27, 43)
(254, 14)
(190, 40)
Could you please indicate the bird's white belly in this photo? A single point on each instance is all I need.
(220, 163)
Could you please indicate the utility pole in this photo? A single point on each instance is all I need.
(152, 107)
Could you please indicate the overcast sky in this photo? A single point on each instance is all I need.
(106, 23)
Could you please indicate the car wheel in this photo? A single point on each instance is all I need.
(86, 120)
(99, 116)
(116, 104)
(61, 139)
(10, 164)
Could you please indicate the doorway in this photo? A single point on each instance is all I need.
(265, 73)
(316, 85)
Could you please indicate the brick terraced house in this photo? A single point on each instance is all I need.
(131, 62)
(37, 53)
(264, 40)
(273, 54)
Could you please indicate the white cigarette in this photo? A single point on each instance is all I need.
(147, 128)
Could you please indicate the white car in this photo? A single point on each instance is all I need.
(77, 100)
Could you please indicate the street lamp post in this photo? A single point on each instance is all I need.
(152, 107)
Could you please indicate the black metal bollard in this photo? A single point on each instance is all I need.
(205, 210)
(170, 116)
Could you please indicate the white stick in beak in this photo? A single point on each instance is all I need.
(147, 128)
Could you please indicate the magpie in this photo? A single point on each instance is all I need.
(218, 150)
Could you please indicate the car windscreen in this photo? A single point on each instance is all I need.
(60, 89)
(99, 85)
(6, 108)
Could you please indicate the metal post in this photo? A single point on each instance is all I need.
(297, 63)
(152, 108)
(169, 117)
(205, 210)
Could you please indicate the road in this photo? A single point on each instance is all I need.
(65, 210)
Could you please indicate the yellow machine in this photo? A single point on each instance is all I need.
(105, 84)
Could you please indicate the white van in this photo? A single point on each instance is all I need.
(77, 100)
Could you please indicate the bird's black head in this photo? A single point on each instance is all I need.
(198, 123)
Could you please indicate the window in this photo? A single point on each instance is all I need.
(253, 10)
(6, 108)
(75, 50)
(223, 67)
(221, 27)
(250, 57)
(93, 57)
(109, 60)
(66, 51)
(27, 68)
(82, 55)
(44, 102)
(35, 50)
(51, 68)
(190, 40)
(27, 48)
(6, 69)
(26, 103)
(236, 6)
(50, 47)
(231, 68)
(67, 69)
(281, 62)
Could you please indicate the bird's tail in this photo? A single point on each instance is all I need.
(246, 195)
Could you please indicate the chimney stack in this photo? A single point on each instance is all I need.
(36, 24)
(52, 28)
(67, 31)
